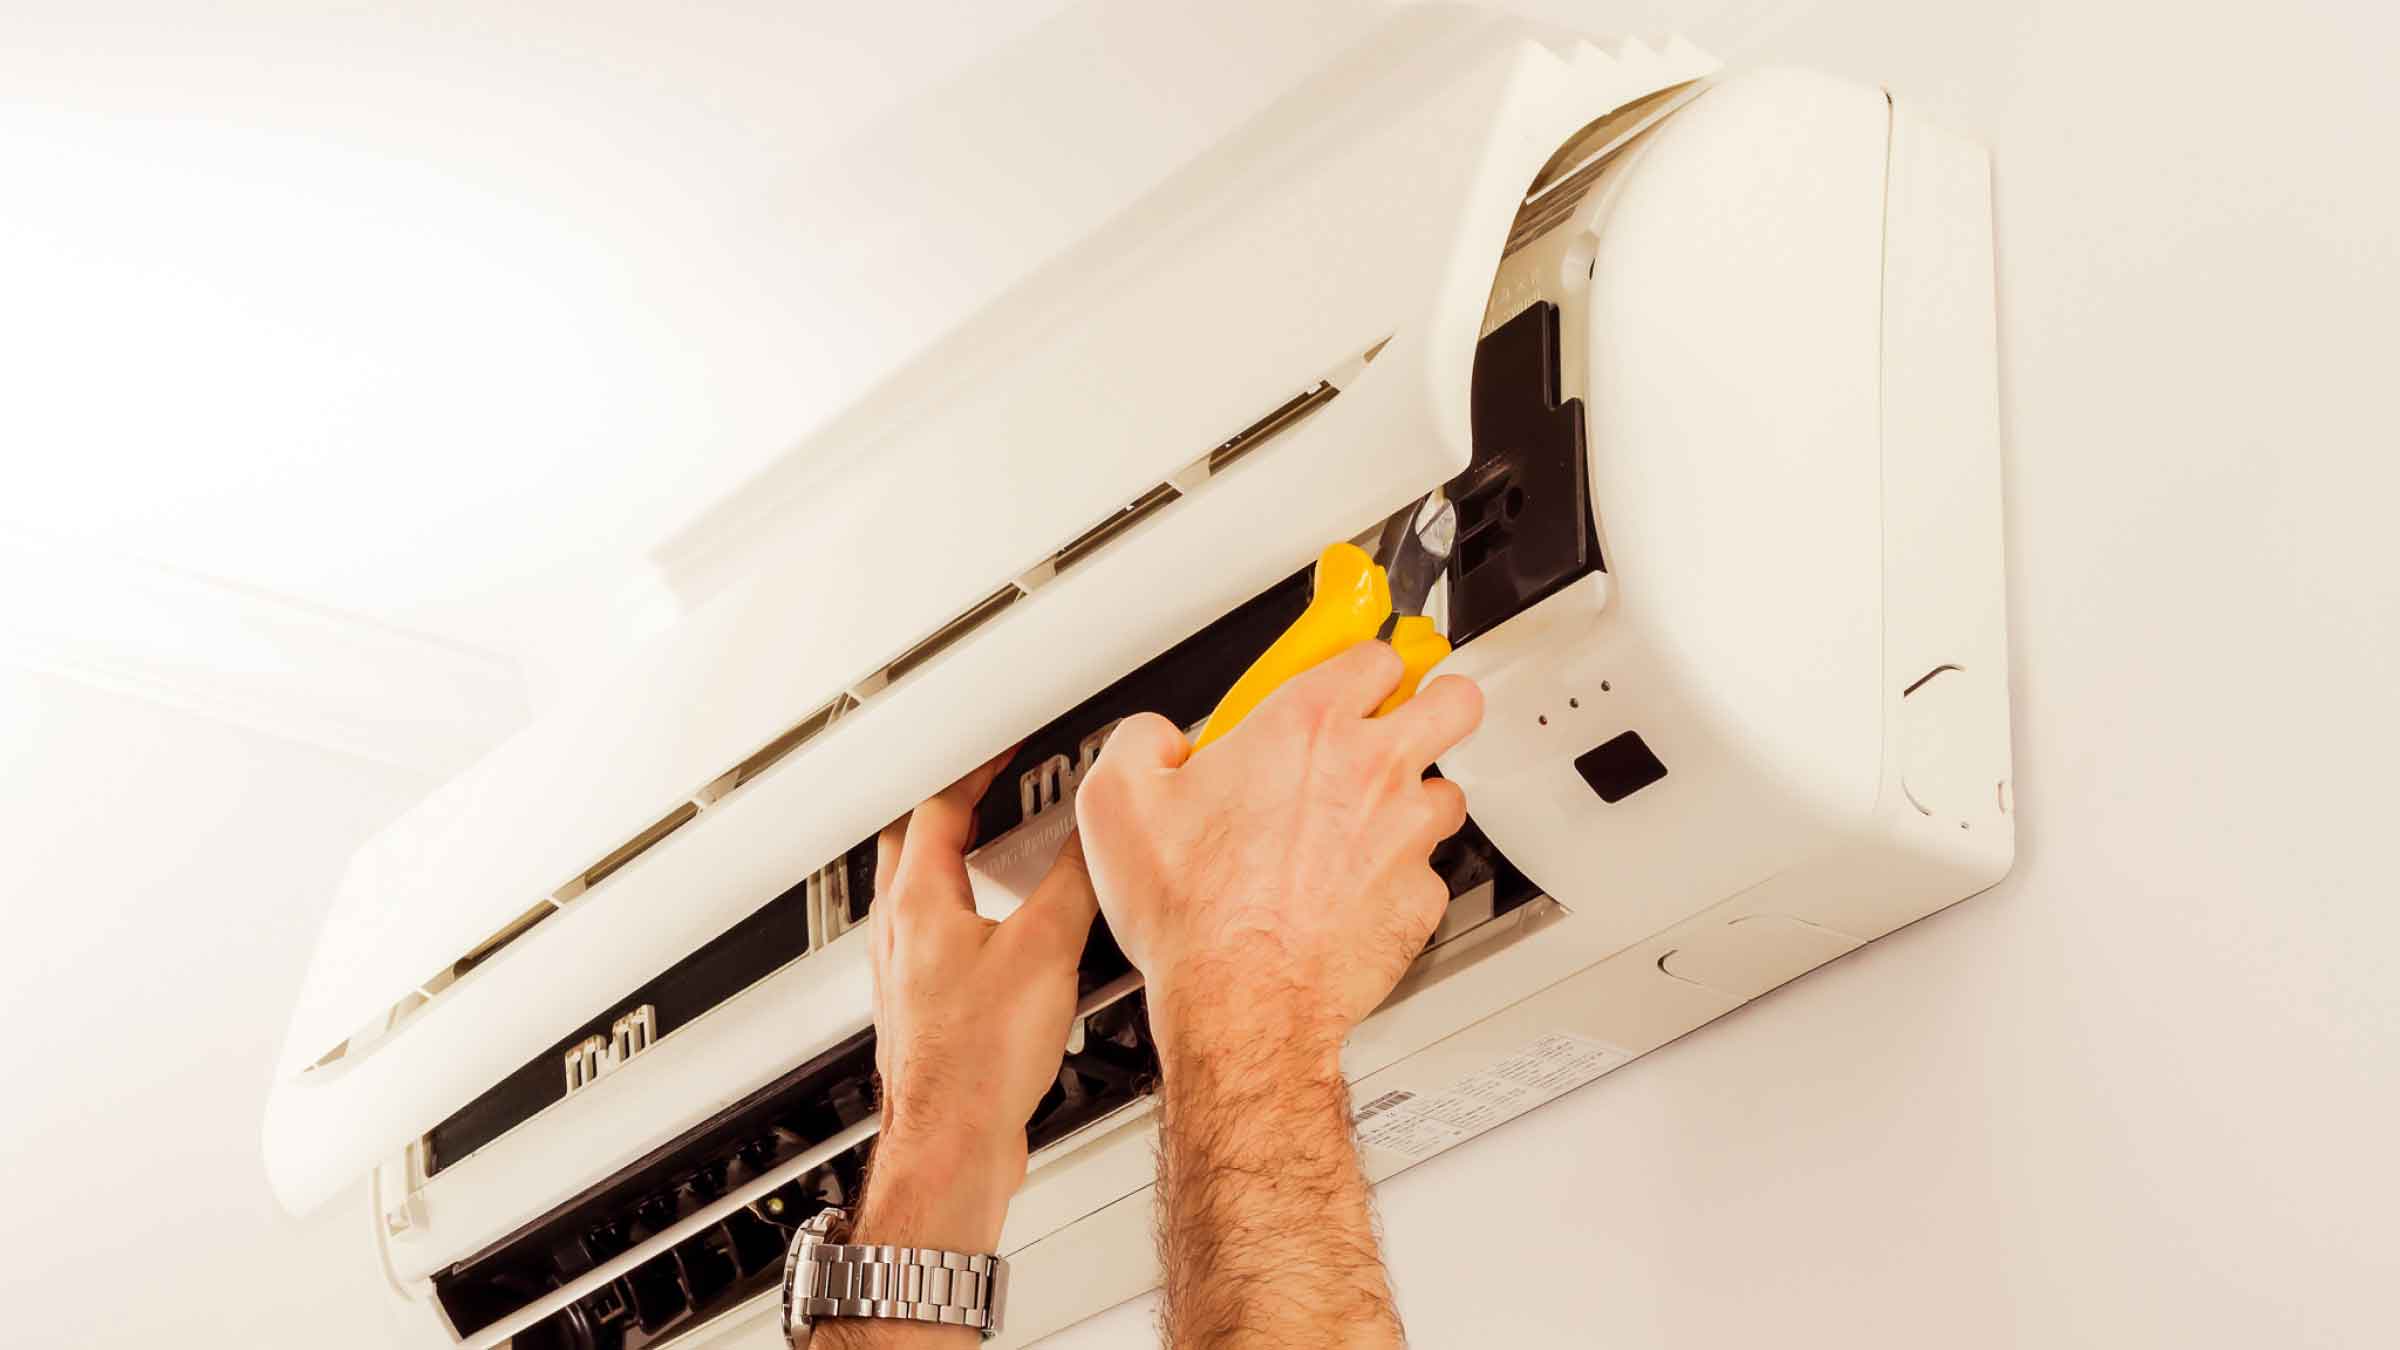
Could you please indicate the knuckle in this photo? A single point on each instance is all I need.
(1139, 740)
(1446, 804)
(1449, 823)
(1138, 726)
(1140, 732)
(1433, 824)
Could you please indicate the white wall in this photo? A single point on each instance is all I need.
(2147, 1091)
(2142, 1094)
(166, 876)
(426, 312)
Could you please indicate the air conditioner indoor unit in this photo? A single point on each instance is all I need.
(1705, 364)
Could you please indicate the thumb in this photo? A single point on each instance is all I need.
(1054, 922)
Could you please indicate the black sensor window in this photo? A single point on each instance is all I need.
(1619, 767)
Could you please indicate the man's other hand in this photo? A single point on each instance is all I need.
(1276, 885)
(971, 1021)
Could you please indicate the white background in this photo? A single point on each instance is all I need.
(443, 321)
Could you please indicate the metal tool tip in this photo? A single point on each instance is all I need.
(1437, 526)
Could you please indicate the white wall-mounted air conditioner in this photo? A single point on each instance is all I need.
(1707, 365)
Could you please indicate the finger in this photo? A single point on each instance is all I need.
(879, 936)
(1351, 684)
(1446, 807)
(1144, 741)
(1442, 714)
(1052, 925)
(939, 828)
(879, 952)
(888, 842)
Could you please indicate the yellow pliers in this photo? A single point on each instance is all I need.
(1358, 598)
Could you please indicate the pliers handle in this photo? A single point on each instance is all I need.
(1351, 601)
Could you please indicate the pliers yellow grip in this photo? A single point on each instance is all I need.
(1351, 600)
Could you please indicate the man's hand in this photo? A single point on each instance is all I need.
(1278, 884)
(1272, 889)
(971, 1021)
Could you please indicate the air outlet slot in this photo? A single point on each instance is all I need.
(765, 757)
(489, 947)
(482, 951)
(1266, 428)
(1091, 540)
(983, 612)
(626, 852)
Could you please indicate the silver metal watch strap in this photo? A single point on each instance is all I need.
(921, 1284)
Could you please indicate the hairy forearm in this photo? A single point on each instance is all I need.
(1265, 1226)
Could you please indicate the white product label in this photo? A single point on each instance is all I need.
(1420, 1124)
(1003, 873)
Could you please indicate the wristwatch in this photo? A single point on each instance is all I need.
(825, 1277)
